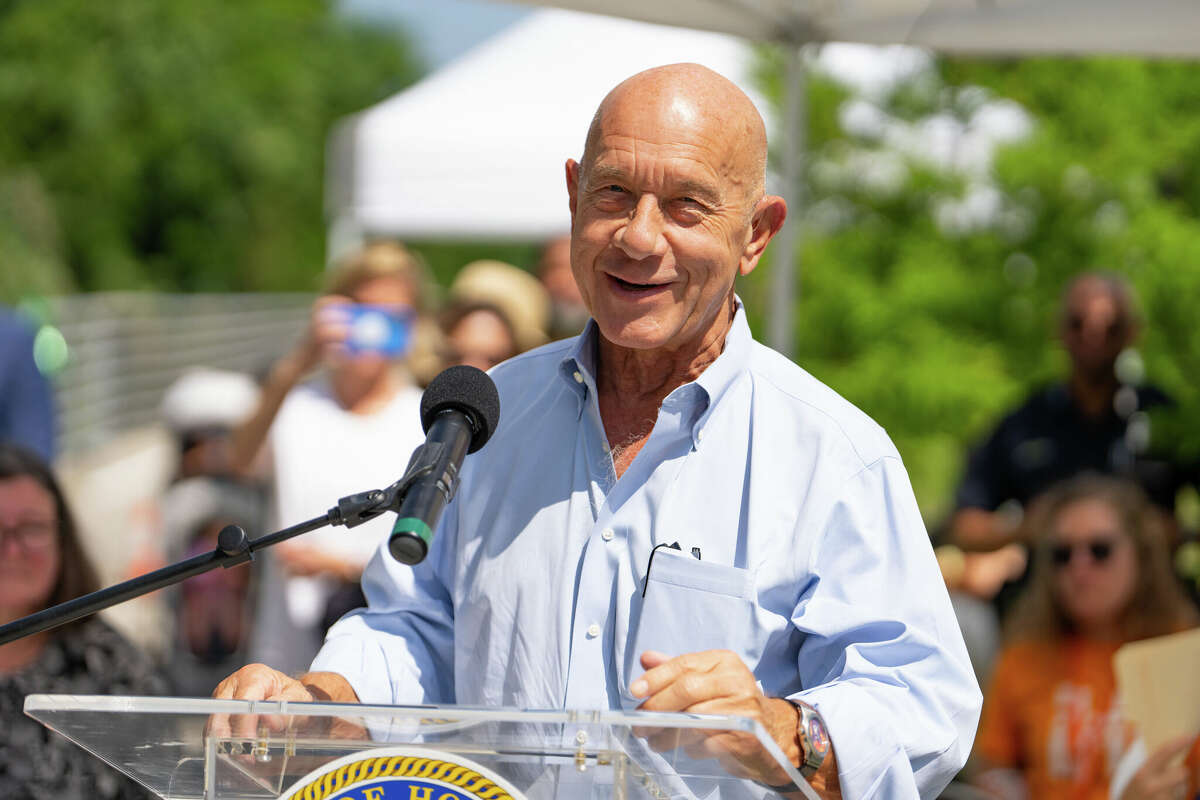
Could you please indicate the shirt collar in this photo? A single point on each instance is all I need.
(578, 369)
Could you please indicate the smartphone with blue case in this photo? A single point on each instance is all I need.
(384, 330)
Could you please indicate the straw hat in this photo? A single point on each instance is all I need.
(516, 293)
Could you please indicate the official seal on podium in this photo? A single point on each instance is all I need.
(402, 773)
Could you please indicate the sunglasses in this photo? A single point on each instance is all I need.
(1113, 330)
(1100, 550)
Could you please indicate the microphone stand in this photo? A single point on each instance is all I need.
(234, 547)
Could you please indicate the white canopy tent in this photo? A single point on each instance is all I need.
(980, 27)
(564, 68)
(997, 27)
(477, 149)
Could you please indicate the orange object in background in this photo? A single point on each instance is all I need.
(1050, 712)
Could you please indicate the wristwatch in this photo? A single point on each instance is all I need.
(813, 739)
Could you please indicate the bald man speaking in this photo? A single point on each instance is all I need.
(671, 516)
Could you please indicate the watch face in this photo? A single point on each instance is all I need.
(818, 740)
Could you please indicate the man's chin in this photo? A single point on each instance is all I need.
(636, 335)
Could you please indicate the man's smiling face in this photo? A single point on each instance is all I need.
(662, 210)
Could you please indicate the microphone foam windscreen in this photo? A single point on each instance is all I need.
(468, 390)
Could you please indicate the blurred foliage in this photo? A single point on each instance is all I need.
(174, 146)
(938, 329)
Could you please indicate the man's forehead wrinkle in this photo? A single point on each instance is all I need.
(676, 172)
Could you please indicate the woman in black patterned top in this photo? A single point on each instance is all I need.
(41, 564)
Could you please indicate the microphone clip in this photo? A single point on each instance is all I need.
(353, 510)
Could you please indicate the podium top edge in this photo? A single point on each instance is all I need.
(52, 703)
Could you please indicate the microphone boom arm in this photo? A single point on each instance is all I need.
(234, 547)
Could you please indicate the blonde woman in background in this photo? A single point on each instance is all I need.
(349, 430)
(1052, 727)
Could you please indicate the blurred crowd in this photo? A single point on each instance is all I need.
(1062, 546)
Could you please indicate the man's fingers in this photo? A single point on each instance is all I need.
(252, 682)
(246, 725)
(664, 672)
(218, 726)
(716, 691)
(294, 692)
(681, 681)
(664, 739)
(653, 658)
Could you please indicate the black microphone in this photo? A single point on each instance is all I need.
(459, 410)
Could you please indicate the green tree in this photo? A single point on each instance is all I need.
(937, 327)
(175, 146)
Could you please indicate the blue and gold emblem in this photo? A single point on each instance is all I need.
(402, 773)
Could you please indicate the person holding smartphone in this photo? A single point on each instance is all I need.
(335, 435)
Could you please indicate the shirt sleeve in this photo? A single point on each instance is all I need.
(883, 659)
(399, 650)
(998, 740)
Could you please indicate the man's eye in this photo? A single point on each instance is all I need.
(689, 205)
(612, 187)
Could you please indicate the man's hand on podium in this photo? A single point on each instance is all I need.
(260, 682)
(719, 682)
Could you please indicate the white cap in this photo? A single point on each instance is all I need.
(209, 398)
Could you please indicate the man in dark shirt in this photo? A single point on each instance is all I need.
(1096, 421)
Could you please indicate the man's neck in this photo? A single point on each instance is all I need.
(1093, 395)
(638, 377)
(631, 384)
(367, 398)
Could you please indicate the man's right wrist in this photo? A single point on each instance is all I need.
(329, 687)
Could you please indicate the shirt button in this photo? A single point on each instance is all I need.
(700, 435)
(593, 630)
(578, 376)
(607, 534)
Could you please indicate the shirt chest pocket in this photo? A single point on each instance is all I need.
(689, 606)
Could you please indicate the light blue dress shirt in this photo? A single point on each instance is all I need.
(814, 565)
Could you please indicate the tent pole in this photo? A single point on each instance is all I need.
(785, 293)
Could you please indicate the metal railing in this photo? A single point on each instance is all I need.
(125, 348)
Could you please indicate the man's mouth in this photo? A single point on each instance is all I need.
(637, 288)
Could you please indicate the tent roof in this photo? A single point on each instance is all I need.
(477, 149)
(999, 27)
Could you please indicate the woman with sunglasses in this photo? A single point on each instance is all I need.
(41, 564)
(1101, 577)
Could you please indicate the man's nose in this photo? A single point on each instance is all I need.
(641, 237)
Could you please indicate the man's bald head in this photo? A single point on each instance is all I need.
(704, 102)
(667, 209)
(1107, 284)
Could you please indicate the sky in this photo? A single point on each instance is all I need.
(440, 29)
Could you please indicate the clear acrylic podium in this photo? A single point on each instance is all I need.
(190, 748)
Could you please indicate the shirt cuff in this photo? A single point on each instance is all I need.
(870, 760)
(361, 662)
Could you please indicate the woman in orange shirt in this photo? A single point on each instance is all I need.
(1052, 727)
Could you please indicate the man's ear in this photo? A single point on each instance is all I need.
(765, 222)
(572, 186)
